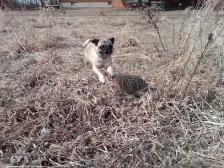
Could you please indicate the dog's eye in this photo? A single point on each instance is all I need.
(110, 46)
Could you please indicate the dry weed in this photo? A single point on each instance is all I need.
(54, 112)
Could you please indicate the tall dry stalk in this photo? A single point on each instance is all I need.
(192, 49)
(153, 22)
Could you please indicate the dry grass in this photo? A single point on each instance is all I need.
(164, 108)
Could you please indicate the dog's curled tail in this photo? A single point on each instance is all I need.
(86, 43)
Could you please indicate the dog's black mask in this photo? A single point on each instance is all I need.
(105, 46)
(106, 49)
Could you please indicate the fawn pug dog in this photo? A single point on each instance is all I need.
(98, 52)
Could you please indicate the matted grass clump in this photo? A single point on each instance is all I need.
(164, 108)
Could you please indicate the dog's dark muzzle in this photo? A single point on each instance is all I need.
(106, 50)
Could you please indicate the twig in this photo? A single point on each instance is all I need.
(157, 29)
(195, 68)
(21, 46)
(4, 48)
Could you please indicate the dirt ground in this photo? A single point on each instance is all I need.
(54, 112)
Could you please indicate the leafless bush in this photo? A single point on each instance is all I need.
(192, 71)
(191, 50)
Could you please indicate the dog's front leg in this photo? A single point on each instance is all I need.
(100, 75)
(110, 70)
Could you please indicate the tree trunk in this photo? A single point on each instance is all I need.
(2, 4)
(42, 3)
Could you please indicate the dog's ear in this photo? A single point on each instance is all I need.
(112, 40)
(95, 41)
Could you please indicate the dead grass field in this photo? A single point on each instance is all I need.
(165, 108)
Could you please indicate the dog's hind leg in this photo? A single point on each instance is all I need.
(99, 74)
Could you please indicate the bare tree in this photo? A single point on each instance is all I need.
(3, 4)
(42, 3)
